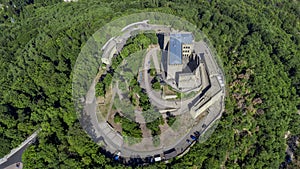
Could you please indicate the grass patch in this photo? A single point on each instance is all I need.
(175, 125)
(167, 90)
(103, 109)
(188, 95)
(156, 141)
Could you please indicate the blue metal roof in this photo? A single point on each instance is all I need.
(176, 40)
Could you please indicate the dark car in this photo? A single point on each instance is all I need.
(193, 137)
(197, 133)
(188, 141)
(288, 159)
(149, 159)
(139, 161)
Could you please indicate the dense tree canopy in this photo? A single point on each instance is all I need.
(257, 41)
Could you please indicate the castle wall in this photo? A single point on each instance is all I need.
(172, 69)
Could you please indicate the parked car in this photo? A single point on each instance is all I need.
(117, 155)
(197, 133)
(149, 159)
(193, 137)
(157, 157)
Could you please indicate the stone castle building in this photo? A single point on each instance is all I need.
(180, 63)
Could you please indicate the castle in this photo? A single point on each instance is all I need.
(179, 61)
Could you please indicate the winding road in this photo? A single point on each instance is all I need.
(113, 141)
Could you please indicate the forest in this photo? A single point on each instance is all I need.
(257, 41)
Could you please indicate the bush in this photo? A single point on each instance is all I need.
(171, 120)
(117, 118)
(152, 72)
(156, 86)
(99, 88)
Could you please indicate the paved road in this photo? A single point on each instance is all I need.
(16, 158)
(120, 41)
(156, 62)
(18, 165)
(15, 155)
